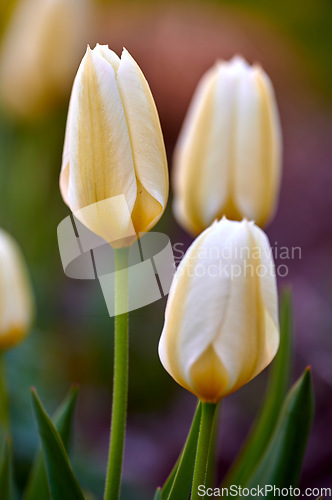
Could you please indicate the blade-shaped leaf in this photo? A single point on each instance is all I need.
(192, 437)
(157, 495)
(166, 489)
(5, 473)
(62, 481)
(282, 461)
(181, 486)
(261, 432)
(210, 471)
(37, 488)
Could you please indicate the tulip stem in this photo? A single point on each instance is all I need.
(120, 381)
(203, 448)
(4, 412)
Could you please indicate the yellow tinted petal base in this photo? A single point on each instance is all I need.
(12, 337)
(209, 376)
(147, 210)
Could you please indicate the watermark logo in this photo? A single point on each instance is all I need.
(233, 260)
(152, 259)
(86, 256)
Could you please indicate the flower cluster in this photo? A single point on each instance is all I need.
(221, 325)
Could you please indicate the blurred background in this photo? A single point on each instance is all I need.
(174, 43)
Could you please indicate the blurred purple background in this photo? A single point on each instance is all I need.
(174, 43)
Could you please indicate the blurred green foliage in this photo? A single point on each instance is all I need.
(307, 26)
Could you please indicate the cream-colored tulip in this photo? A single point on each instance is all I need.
(221, 321)
(16, 300)
(40, 52)
(228, 157)
(114, 173)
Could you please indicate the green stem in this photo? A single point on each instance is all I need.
(120, 381)
(203, 448)
(4, 404)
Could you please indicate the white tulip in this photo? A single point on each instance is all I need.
(221, 322)
(228, 157)
(16, 300)
(114, 173)
(39, 54)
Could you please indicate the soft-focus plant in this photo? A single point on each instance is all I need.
(16, 315)
(16, 298)
(228, 157)
(40, 51)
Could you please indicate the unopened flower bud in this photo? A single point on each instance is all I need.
(228, 157)
(16, 300)
(114, 173)
(40, 53)
(221, 322)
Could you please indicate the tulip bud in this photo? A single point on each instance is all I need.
(228, 157)
(114, 172)
(221, 321)
(16, 302)
(41, 48)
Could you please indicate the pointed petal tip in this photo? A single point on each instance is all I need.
(101, 46)
(126, 54)
(239, 59)
(88, 53)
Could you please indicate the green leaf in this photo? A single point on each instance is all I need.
(61, 479)
(157, 495)
(181, 485)
(261, 432)
(210, 471)
(5, 473)
(166, 489)
(192, 437)
(282, 461)
(37, 488)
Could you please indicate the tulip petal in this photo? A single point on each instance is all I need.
(269, 297)
(64, 174)
(205, 154)
(100, 158)
(146, 142)
(249, 337)
(199, 294)
(111, 57)
(190, 158)
(209, 376)
(258, 151)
